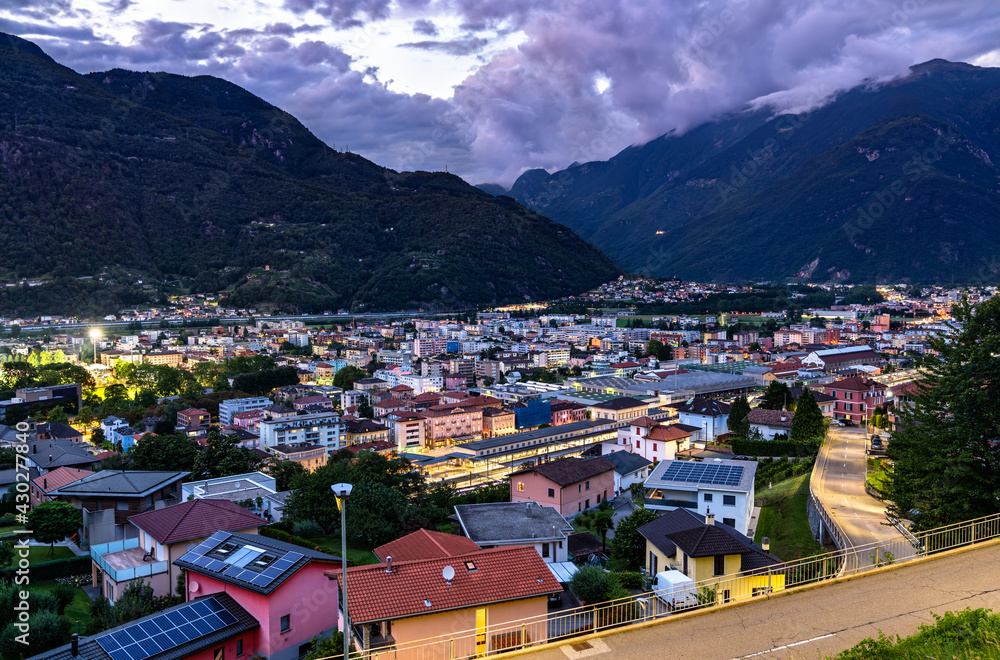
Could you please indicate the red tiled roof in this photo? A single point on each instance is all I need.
(644, 422)
(414, 588)
(194, 519)
(572, 469)
(666, 433)
(401, 388)
(425, 544)
(855, 384)
(771, 417)
(375, 445)
(59, 477)
(624, 365)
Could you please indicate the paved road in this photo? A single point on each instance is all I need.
(841, 487)
(814, 623)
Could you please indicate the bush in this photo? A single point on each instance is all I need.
(7, 520)
(307, 528)
(50, 570)
(742, 447)
(48, 630)
(629, 579)
(275, 533)
(591, 584)
(64, 594)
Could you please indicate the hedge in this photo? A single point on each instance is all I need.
(282, 535)
(49, 570)
(742, 447)
(629, 579)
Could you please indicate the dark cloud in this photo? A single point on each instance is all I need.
(30, 29)
(424, 26)
(118, 6)
(465, 46)
(342, 13)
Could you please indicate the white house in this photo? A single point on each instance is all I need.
(498, 524)
(709, 415)
(108, 424)
(629, 469)
(771, 423)
(720, 487)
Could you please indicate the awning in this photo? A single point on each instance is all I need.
(563, 571)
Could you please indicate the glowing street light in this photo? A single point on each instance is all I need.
(95, 334)
(342, 491)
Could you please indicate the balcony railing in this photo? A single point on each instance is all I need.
(662, 501)
(97, 553)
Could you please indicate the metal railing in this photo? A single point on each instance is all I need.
(649, 606)
(97, 553)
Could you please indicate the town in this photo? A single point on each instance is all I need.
(203, 479)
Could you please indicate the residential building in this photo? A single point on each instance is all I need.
(110, 423)
(215, 628)
(47, 455)
(502, 524)
(771, 423)
(123, 438)
(486, 592)
(326, 429)
(630, 469)
(856, 398)
(709, 415)
(570, 485)
(622, 409)
(498, 421)
(710, 553)
(425, 544)
(108, 498)
(826, 402)
(361, 431)
(309, 456)
(169, 358)
(406, 429)
(531, 413)
(245, 487)
(444, 426)
(163, 536)
(283, 586)
(722, 487)
(230, 407)
(315, 403)
(838, 360)
(655, 441)
(194, 418)
(566, 412)
(42, 485)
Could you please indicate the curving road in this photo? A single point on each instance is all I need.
(840, 485)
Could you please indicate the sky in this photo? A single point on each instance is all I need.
(487, 89)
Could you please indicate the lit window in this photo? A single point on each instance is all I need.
(520, 485)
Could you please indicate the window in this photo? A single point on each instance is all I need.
(654, 446)
(286, 623)
(720, 565)
(638, 445)
(586, 503)
(653, 563)
(219, 653)
(579, 488)
(708, 497)
(729, 521)
(729, 500)
(239, 647)
(121, 505)
(520, 485)
(588, 485)
(545, 550)
(552, 492)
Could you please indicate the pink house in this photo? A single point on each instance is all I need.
(856, 398)
(565, 412)
(570, 485)
(283, 586)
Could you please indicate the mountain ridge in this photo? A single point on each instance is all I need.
(100, 181)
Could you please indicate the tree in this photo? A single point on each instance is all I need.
(777, 396)
(347, 376)
(365, 409)
(58, 415)
(946, 467)
(807, 425)
(97, 438)
(628, 547)
(175, 451)
(330, 647)
(285, 473)
(658, 349)
(222, 457)
(54, 521)
(738, 422)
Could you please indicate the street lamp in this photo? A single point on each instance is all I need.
(95, 334)
(342, 491)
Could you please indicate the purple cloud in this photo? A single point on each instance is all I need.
(424, 26)
(465, 46)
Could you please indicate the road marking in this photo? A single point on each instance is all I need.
(786, 646)
(585, 649)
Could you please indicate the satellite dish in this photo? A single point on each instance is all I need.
(448, 573)
(194, 587)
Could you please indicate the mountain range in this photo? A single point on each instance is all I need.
(122, 188)
(891, 181)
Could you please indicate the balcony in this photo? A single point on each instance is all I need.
(123, 560)
(667, 503)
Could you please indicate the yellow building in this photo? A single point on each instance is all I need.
(715, 556)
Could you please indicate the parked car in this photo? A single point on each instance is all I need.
(876, 444)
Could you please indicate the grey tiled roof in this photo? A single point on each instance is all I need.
(107, 483)
(626, 462)
(507, 522)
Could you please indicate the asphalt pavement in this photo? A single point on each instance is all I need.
(813, 623)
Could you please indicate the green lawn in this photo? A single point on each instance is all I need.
(878, 474)
(783, 519)
(39, 553)
(78, 612)
(357, 553)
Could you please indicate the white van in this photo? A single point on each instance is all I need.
(675, 590)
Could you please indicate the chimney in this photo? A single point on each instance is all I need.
(766, 544)
(45, 484)
(528, 505)
(34, 449)
(75, 645)
(388, 564)
(710, 519)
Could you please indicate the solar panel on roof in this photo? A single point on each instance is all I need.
(716, 475)
(294, 556)
(167, 630)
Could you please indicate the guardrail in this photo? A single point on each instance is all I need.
(97, 553)
(648, 606)
(827, 522)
